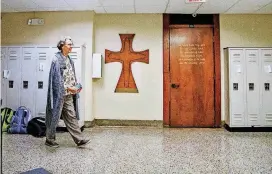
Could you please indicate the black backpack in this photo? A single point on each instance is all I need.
(37, 127)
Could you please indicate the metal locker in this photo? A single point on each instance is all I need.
(14, 80)
(266, 82)
(44, 57)
(236, 87)
(28, 80)
(252, 87)
(75, 55)
(4, 76)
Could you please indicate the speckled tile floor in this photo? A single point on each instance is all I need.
(143, 150)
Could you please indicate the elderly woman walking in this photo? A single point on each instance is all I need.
(63, 91)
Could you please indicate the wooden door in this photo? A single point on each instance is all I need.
(192, 77)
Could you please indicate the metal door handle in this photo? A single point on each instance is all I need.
(173, 85)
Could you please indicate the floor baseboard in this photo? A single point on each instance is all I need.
(108, 122)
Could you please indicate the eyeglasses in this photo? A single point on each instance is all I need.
(70, 44)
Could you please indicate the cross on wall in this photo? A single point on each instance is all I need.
(126, 56)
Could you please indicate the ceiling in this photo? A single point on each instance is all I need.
(141, 6)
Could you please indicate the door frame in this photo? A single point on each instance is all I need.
(166, 69)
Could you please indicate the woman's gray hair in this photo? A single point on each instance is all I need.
(62, 42)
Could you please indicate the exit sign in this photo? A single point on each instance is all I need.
(195, 1)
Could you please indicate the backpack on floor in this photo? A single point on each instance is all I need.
(6, 116)
(36, 127)
(19, 121)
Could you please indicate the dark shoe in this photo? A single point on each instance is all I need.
(82, 143)
(51, 144)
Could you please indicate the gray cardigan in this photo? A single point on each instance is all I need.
(55, 93)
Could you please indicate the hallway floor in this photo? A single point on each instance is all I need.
(142, 150)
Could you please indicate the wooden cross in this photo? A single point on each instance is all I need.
(126, 56)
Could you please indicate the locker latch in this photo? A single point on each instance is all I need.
(10, 84)
(235, 86)
(251, 86)
(25, 84)
(267, 86)
(40, 85)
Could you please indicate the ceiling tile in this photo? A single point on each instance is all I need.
(181, 3)
(267, 9)
(5, 8)
(216, 6)
(184, 9)
(56, 9)
(99, 10)
(114, 3)
(141, 6)
(19, 3)
(150, 9)
(29, 9)
(84, 6)
(119, 9)
(248, 6)
(51, 3)
(151, 3)
(87, 8)
(82, 3)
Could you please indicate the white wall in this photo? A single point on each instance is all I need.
(235, 31)
(78, 25)
(243, 31)
(148, 103)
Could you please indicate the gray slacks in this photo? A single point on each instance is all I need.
(69, 117)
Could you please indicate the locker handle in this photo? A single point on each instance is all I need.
(173, 85)
(235, 86)
(251, 86)
(25, 84)
(267, 86)
(40, 85)
(10, 84)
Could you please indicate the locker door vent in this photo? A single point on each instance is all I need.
(27, 55)
(268, 55)
(236, 55)
(13, 55)
(73, 55)
(2, 55)
(42, 56)
(253, 117)
(41, 114)
(237, 117)
(268, 118)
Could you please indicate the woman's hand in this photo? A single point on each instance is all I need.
(73, 90)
